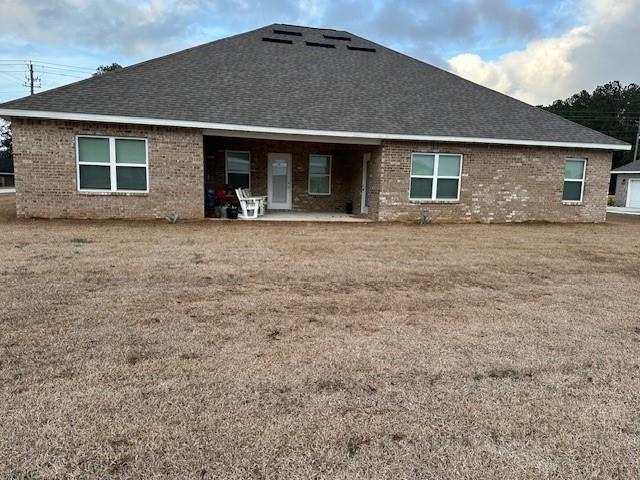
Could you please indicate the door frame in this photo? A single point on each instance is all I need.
(629, 182)
(288, 204)
(364, 208)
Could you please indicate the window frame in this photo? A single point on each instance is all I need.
(112, 164)
(330, 157)
(226, 165)
(582, 181)
(8, 189)
(435, 177)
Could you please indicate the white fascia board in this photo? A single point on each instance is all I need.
(292, 138)
(87, 117)
(622, 173)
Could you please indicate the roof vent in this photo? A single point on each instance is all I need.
(287, 32)
(318, 44)
(337, 37)
(361, 49)
(277, 40)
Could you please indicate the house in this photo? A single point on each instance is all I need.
(318, 120)
(628, 185)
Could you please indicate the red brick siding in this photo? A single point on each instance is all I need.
(45, 164)
(499, 184)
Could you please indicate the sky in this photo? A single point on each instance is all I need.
(534, 51)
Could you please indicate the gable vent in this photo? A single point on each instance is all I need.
(337, 37)
(287, 32)
(318, 44)
(277, 40)
(361, 49)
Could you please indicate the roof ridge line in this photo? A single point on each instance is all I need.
(307, 27)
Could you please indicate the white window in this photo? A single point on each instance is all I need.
(574, 170)
(112, 164)
(319, 174)
(238, 169)
(435, 176)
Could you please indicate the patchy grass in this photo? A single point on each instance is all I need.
(319, 351)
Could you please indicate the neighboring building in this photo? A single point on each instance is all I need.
(628, 185)
(313, 118)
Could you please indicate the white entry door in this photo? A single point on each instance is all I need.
(633, 195)
(279, 183)
(364, 200)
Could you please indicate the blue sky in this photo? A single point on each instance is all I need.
(536, 51)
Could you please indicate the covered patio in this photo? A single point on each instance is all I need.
(302, 180)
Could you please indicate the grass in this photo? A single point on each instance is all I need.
(319, 351)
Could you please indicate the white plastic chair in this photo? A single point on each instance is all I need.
(250, 206)
(262, 201)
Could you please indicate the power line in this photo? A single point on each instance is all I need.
(67, 66)
(8, 75)
(62, 69)
(61, 74)
(23, 62)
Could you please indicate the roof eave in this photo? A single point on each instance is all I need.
(8, 112)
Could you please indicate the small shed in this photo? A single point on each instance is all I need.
(628, 185)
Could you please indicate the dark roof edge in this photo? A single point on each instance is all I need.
(88, 117)
(632, 167)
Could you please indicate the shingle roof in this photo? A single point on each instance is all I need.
(629, 167)
(244, 80)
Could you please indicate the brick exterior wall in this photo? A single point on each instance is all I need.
(45, 167)
(346, 170)
(499, 184)
(622, 183)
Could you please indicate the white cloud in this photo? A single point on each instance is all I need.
(600, 50)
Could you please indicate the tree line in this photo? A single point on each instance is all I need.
(612, 109)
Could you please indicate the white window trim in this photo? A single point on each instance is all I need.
(330, 157)
(112, 165)
(435, 177)
(582, 181)
(226, 166)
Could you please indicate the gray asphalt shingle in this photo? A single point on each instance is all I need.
(629, 167)
(244, 80)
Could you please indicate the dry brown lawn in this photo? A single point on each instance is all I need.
(242, 350)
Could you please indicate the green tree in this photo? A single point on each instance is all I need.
(6, 148)
(612, 109)
(102, 69)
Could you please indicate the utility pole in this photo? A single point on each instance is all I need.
(635, 153)
(30, 79)
(31, 76)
